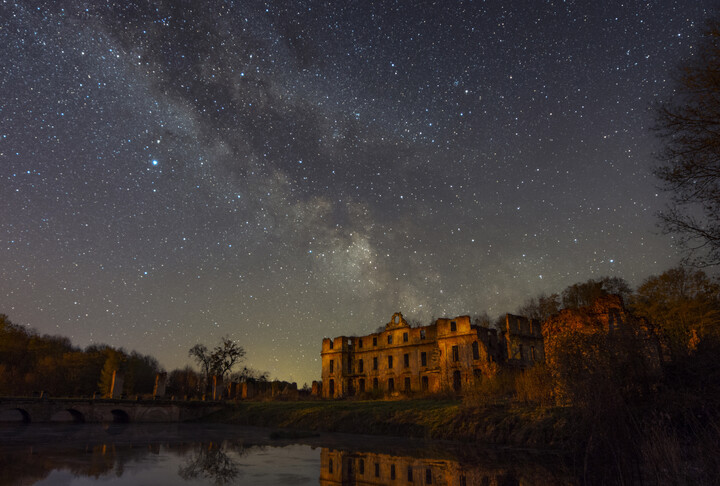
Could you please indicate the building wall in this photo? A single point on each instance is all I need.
(524, 341)
(450, 359)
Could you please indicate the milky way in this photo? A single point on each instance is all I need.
(173, 172)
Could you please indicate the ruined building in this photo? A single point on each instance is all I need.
(450, 354)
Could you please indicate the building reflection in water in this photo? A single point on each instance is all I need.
(225, 455)
(363, 468)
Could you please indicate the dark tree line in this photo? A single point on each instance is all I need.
(30, 363)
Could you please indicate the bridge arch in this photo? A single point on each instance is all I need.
(15, 415)
(120, 416)
(68, 415)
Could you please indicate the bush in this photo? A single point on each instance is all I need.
(491, 389)
(535, 386)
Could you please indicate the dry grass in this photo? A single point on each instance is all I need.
(432, 419)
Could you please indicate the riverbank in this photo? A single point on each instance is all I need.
(524, 426)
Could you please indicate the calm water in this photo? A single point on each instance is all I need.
(170, 454)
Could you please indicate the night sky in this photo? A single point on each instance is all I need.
(279, 172)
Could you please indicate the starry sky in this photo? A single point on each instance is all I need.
(279, 172)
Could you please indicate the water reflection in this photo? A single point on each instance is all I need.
(223, 455)
(210, 461)
(342, 467)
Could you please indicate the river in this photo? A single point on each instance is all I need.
(217, 454)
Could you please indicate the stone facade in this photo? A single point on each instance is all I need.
(524, 341)
(448, 355)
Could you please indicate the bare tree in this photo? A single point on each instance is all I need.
(226, 355)
(540, 307)
(203, 358)
(689, 126)
(585, 293)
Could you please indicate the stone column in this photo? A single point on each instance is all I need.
(160, 382)
(217, 387)
(117, 384)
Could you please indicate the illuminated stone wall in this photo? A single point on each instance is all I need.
(449, 354)
(524, 341)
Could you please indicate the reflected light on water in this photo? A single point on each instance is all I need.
(164, 454)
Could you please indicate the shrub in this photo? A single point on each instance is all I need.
(535, 386)
(491, 389)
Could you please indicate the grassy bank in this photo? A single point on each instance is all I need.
(431, 419)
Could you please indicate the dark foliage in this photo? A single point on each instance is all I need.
(688, 125)
(30, 363)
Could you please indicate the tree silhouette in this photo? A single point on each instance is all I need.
(688, 124)
(220, 361)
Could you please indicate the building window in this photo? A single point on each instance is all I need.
(330, 468)
(350, 365)
(375, 341)
(389, 338)
(375, 363)
(410, 473)
(455, 353)
(453, 326)
(425, 383)
(375, 383)
(331, 344)
(332, 365)
(360, 366)
(477, 372)
(332, 388)
(359, 343)
(428, 476)
(377, 469)
(361, 385)
(392, 471)
(522, 353)
(406, 360)
(456, 380)
(391, 385)
(361, 466)
(390, 363)
(407, 384)
(423, 358)
(422, 333)
(532, 353)
(476, 350)
(405, 337)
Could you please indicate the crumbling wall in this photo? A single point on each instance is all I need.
(524, 341)
(449, 354)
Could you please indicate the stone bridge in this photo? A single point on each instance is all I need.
(103, 410)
